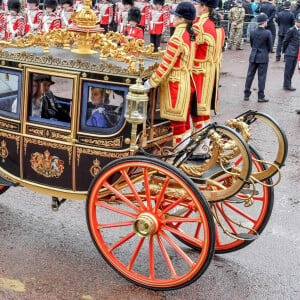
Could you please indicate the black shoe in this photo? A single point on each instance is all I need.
(298, 111)
(239, 48)
(199, 157)
(262, 100)
(246, 98)
(290, 88)
(229, 48)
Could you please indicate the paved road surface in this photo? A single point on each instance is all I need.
(46, 255)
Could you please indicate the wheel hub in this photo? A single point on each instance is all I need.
(146, 224)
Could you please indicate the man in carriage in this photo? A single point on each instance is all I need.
(12, 24)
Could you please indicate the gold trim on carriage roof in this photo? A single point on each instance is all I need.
(84, 40)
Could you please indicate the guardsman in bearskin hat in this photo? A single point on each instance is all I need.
(33, 16)
(210, 37)
(143, 6)
(131, 30)
(105, 10)
(13, 25)
(50, 20)
(66, 12)
(123, 20)
(174, 73)
(158, 22)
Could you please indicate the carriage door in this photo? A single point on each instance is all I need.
(48, 127)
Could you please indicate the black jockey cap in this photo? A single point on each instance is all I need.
(209, 3)
(297, 19)
(134, 14)
(37, 2)
(70, 2)
(14, 5)
(287, 4)
(261, 18)
(185, 10)
(50, 3)
(128, 2)
(161, 2)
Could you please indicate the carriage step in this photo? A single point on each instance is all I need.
(6, 182)
(246, 236)
(236, 200)
(248, 192)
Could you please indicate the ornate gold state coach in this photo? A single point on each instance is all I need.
(147, 203)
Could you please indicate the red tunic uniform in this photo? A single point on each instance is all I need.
(105, 12)
(206, 67)
(143, 6)
(66, 17)
(49, 22)
(13, 26)
(134, 32)
(158, 20)
(32, 19)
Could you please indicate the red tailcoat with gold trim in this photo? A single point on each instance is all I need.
(206, 67)
(174, 76)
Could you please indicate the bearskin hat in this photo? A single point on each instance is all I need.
(14, 5)
(50, 3)
(37, 2)
(134, 14)
(129, 2)
(70, 2)
(161, 2)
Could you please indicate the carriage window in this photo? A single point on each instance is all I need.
(10, 87)
(102, 107)
(50, 99)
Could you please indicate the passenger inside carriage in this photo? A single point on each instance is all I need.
(99, 112)
(44, 103)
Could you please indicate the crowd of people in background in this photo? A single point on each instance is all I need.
(135, 18)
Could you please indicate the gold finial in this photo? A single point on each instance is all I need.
(86, 17)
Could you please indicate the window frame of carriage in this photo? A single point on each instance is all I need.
(18, 73)
(29, 72)
(85, 86)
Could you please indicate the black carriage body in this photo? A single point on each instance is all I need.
(57, 156)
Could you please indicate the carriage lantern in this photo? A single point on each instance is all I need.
(136, 109)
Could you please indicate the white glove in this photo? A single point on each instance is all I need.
(147, 85)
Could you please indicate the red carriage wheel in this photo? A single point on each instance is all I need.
(130, 222)
(237, 225)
